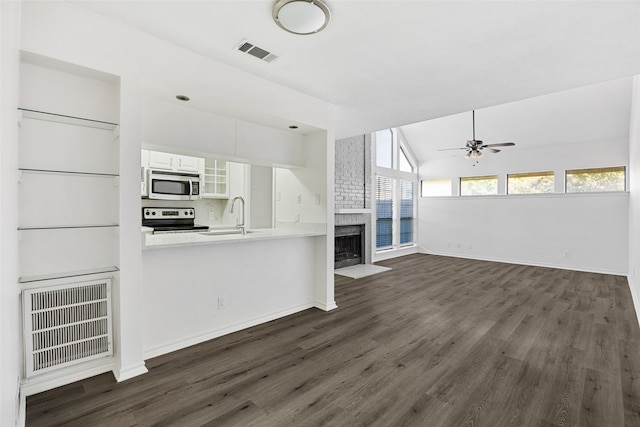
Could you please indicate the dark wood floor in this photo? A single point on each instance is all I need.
(436, 341)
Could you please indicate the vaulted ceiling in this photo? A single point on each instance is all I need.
(392, 63)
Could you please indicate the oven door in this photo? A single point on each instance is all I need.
(173, 186)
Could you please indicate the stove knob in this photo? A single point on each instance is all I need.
(153, 213)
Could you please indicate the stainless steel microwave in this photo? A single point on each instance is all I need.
(163, 185)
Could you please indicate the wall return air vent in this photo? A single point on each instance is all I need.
(256, 51)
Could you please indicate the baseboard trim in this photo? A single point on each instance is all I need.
(130, 372)
(394, 253)
(200, 338)
(326, 307)
(634, 297)
(521, 262)
(65, 376)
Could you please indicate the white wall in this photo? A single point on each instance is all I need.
(583, 232)
(634, 195)
(10, 331)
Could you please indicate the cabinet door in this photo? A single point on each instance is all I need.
(216, 176)
(160, 160)
(188, 164)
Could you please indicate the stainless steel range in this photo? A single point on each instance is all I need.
(171, 220)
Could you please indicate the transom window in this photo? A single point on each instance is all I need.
(530, 183)
(595, 180)
(436, 187)
(479, 185)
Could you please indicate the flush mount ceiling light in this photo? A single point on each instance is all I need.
(301, 16)
(182, 98)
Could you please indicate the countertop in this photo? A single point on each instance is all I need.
(152, 241)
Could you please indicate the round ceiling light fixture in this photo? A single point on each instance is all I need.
(182, 97)
(301, 16)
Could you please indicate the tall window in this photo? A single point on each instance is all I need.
(593, 180)
(384, 148)
(395, 191)
(407, 197)
(384, 211)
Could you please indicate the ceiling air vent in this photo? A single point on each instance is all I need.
(258, 52)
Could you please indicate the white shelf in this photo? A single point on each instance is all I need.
(65, 172)
(70, 120)
(29, 279)
(57, 227)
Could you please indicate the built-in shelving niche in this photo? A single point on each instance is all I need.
(68, 177)
(68, 201)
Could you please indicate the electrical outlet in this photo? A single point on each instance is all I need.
(222, 303)
(566, 254)
(299, 198)
(212, 215)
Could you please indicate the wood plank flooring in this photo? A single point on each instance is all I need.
(436, 341)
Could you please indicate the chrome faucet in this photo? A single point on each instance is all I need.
(239, 225)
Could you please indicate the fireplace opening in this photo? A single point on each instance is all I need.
(349, 245)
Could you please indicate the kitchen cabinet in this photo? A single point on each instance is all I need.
(216, 179)
(175, 162)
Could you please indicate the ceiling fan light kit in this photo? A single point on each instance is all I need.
(301, 17)
(475, 147)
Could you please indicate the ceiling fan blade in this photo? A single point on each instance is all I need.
(493, 150)
(502, 144)
(448, 149)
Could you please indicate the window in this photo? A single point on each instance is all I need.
(530, 183)
(407, 197)
(384, 148)
(478, 185)
(395, 191)
(384, 211)
(436, 187)
(593, 180)
(403, 162)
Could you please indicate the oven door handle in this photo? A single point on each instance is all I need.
(190, 188)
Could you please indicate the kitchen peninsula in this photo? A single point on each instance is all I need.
(202, 284)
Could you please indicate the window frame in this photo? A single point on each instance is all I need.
(448, 180)
(478, 178)
(623, 169)
(398, 143)
(524, 174)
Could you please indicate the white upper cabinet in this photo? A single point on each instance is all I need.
(160, 160)
(175, 162)
(189, 164)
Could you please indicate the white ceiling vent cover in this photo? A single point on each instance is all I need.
(256, 51)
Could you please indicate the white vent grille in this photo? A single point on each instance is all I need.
(258, 52)
(67, 324)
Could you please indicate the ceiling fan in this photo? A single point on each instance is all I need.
(475, 147)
